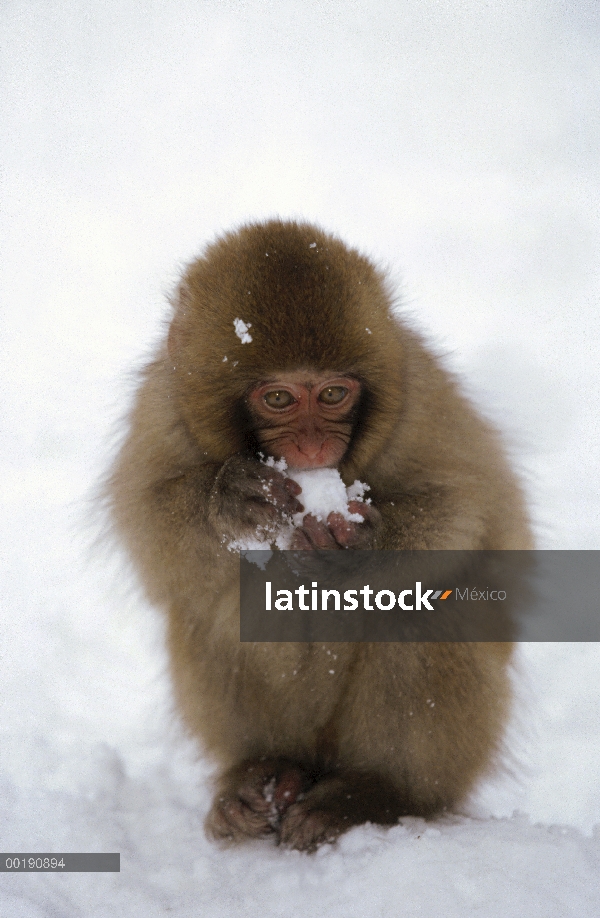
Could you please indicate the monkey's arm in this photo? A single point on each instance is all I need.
(431, 520)
(452, 517)
(176, 510)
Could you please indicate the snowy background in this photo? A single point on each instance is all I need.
(454, 141)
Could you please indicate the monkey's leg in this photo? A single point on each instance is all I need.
(335, 804)
(252, 798)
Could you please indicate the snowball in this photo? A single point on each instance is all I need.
(241, 330)
(324, 492)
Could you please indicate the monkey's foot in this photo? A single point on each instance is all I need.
(334, 805)
(253, 798)
(305, 829)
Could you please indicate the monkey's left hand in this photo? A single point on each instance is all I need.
(338, 532)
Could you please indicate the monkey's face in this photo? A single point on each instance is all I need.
(305, 417)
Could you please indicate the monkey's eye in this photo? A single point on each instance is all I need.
(332, 395)
(279, 398)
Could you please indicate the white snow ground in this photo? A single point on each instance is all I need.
(458, 142)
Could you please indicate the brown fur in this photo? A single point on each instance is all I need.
(366, 742)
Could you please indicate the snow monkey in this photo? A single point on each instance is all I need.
(284, 342)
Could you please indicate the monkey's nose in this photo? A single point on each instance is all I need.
(310, 446)
(311, 450)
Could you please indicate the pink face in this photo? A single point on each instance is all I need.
(305, 417)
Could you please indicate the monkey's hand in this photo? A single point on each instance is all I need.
(338, 532)
(250, 498)
(252, 799)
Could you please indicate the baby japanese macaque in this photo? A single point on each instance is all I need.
(284, 355)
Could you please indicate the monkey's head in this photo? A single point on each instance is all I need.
(283, 341)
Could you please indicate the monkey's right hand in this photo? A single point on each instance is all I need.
(251, 498)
